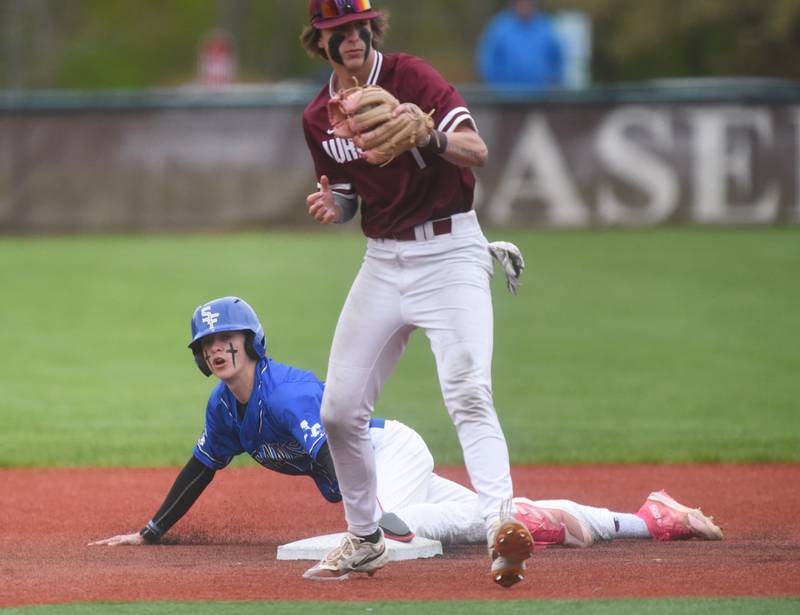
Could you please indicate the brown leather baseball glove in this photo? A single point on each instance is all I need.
(381, 126)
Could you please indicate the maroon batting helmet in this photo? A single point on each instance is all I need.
(333, 13)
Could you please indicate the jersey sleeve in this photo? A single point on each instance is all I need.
(431, 92)
(218, 444)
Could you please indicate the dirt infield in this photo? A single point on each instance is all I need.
(224, 549)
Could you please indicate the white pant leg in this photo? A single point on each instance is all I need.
(599, 521)
(445, 490)
(450, 514)
(432, 506)
(370, 337)
(441, 284)
(403, 464)
(450, 297)
(447, 522)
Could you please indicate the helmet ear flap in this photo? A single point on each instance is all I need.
(200, 360)
(249, 345)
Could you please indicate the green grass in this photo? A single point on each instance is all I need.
(665, 345)
(705, 606)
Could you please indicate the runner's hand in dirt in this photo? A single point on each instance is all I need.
(120, 539)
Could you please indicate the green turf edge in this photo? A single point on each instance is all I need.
(688, 606)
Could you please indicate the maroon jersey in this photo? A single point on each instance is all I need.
(415, 187)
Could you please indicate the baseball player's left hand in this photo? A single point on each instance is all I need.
(120, 539)
(321, 205)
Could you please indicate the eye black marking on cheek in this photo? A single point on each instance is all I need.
(365, 35)
(233, 352)
(207, 357)
(334, 43)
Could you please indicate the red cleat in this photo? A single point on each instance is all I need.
(667, 519)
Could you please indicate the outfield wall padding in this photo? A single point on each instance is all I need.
(171, 163)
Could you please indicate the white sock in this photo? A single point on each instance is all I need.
(628, 525)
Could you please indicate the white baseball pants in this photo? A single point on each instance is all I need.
(440, 509)
(439, 284)
(432, 506)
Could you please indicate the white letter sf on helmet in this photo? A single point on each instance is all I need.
(227, 314)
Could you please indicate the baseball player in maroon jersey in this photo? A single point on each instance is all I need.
(427, 266)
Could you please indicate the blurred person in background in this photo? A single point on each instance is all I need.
(519, 48)
(216, 62)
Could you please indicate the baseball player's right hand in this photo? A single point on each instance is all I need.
(321, 205)
(120, 539)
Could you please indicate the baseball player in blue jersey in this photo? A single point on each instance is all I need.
(263, 408)
(259, 406)
(272, 412)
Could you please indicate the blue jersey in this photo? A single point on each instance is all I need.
(281, 427)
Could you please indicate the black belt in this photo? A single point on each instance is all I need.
(440, 227)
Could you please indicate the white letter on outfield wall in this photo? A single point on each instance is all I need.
(718, 159)
(633, 163)
(536, 169)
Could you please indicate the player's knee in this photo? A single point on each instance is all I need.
(340, 417)
(332, 420)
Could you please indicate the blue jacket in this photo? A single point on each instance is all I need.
(520, 53)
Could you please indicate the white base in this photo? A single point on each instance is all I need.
(317, 547)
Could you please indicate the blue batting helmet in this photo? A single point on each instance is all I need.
(227, 314)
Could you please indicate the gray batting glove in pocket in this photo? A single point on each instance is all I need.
(510, 259)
